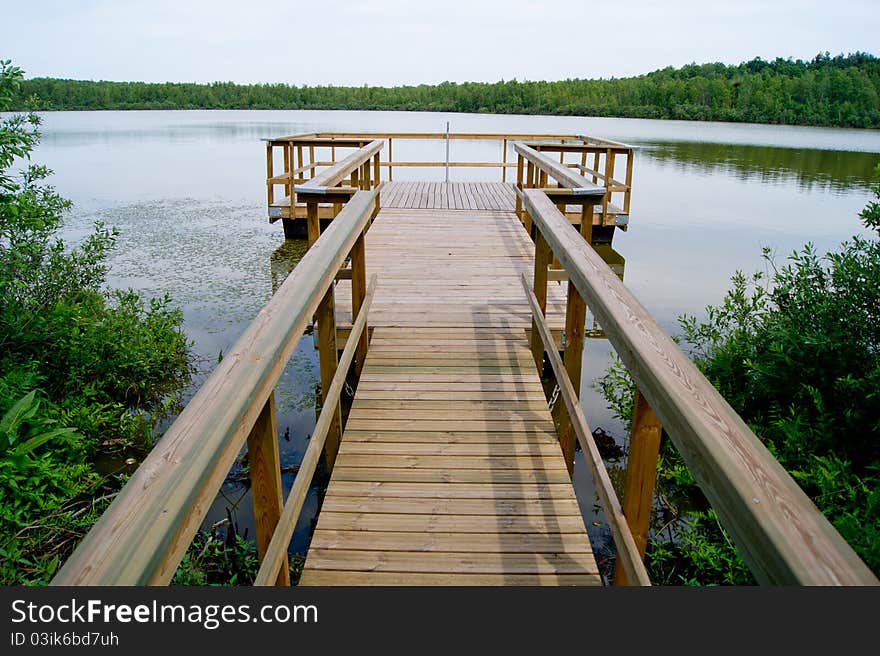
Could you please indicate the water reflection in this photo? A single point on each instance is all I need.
(296, 411)
(284, 258)
(618, 264)
(832, 170)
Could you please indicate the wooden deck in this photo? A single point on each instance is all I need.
(450, 470)
(449, 196)
(450, 268)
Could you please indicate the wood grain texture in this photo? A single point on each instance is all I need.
(265, 471)
(453, 485)
(778, 530)
(434, 281)
(144, 533)
(276, 553)
(627, 552)
(641, 476)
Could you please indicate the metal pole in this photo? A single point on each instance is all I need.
(447, 151)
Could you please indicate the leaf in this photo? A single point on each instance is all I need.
(23, 409)
(31, 444)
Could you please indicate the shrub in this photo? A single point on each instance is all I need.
(84, 370)
(796, 353)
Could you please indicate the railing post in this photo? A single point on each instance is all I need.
(314, 169)
(358, 293)
(542, 261)
(529, 182)
(270, 170)
(328, 357)
(519, 186)
(609, 176)
(575, 316)
(288, 168)
(390, 161)
(265, 472)
(314, 224)
(587, 222)
(355, 178)
(377, 172)
(641, 476)
(629, 177)
(504, 161)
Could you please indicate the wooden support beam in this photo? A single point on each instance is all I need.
(609, 177)
(265, 473)
(270, 173)
(325, 318)
(542, 262)
(314, 225)
(641, 477)
(519, 185)
(587, 222)
(629, 174)
(575, 317)
(358, 294)
(390, 161)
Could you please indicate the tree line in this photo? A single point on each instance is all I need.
(843, 90)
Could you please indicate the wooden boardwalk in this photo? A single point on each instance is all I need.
(450, 471)
(449, 196)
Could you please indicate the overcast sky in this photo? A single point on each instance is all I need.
(391, 42)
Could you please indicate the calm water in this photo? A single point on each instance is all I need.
(187, 191)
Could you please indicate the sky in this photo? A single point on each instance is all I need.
(395, 42)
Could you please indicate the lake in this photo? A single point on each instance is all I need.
(187, 191)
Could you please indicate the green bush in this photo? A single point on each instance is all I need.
(85, 372)
(796, 353)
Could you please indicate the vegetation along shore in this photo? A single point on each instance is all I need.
(842, 91)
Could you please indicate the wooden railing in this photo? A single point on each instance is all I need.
(325, 187)
(535, 169)
(145, 532)
(303, 156)
(779, 532)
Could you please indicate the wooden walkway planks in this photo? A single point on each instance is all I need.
(449, 268)
(449, 195)
(453, 476)
(450, 470)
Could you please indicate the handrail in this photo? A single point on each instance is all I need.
(143, 535)
(329, 178)
(780, 533)
(274, 556)
(578, 184)
(627, 551)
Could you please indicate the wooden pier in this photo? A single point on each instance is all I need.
(445, 303)
(450, 471)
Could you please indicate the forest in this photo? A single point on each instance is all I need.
(841, 90)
